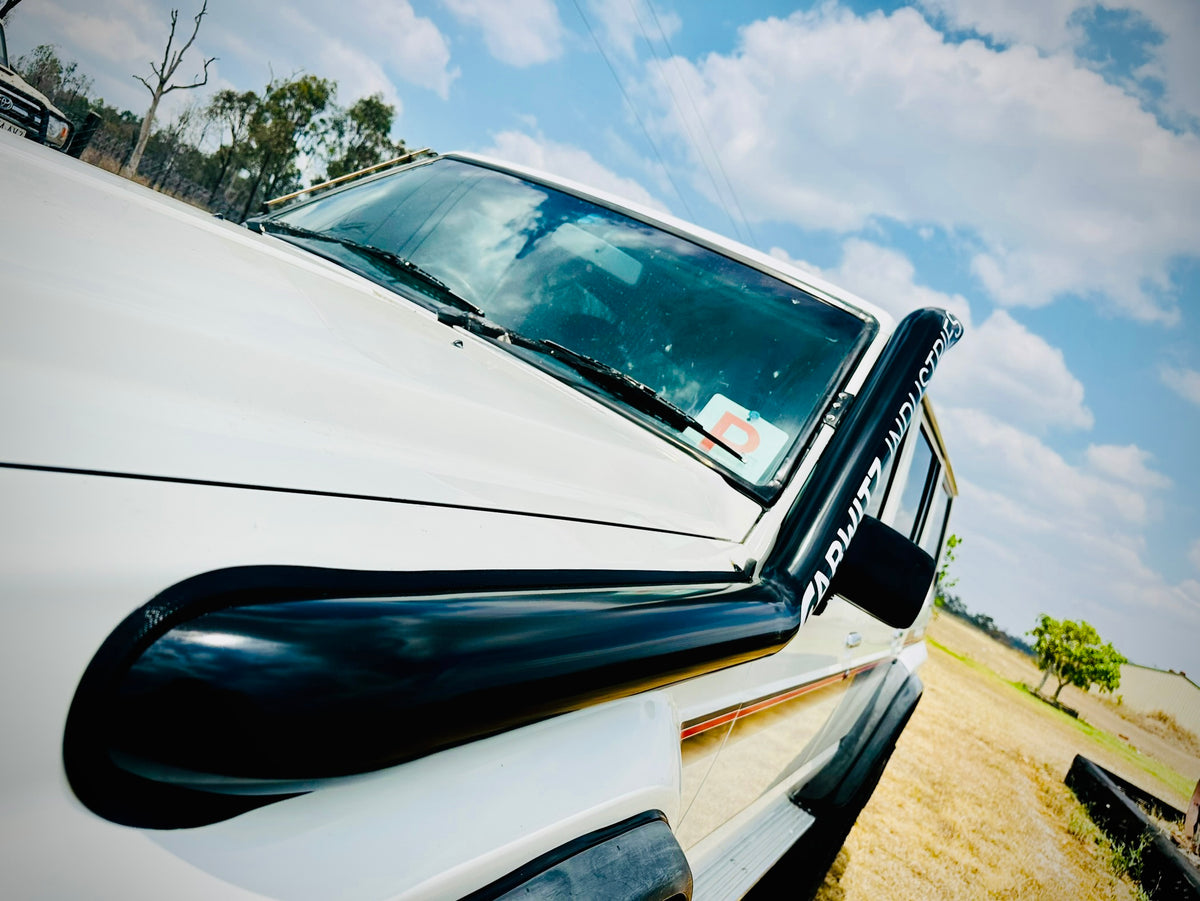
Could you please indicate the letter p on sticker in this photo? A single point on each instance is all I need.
(758, 441)
(744, 440)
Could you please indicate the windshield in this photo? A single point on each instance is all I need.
(750, 357)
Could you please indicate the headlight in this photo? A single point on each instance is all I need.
(57, 130)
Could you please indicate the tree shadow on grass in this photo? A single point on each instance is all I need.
(1056, 704)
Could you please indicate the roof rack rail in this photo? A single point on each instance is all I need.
(409, 157)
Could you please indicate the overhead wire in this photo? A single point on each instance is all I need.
(747, 236)
(703, 128)
(633, 109)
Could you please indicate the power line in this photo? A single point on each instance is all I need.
(685, 119)
(633, 110)
(703, 128)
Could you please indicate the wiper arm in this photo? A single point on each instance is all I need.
(444, 291)
(615, 382)
(621, 385)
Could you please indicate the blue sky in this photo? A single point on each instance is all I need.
(1033, 165)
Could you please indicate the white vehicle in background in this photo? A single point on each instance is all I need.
(459, 532)
(25, 111)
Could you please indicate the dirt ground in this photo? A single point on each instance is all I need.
(973, 805)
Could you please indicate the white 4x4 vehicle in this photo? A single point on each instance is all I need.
(25, 111)
(459, 532)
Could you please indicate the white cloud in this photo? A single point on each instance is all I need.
(999, 366)
(1046, 535)
(358, 75)
(1128, 463)
(626, 24)
(1004, 368)
(566, 161)
(1175, 62)
(372, 46)
(123, 34)
(830, 120)
(1031, 473)
(123, 30)
(1183, 381)
(885, 277)
(1049, 25)
(1042, 23)
(517, 32)
(1180, 602)
(411, 45)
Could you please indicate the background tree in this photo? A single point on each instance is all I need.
(163, 73)
(949, 554)
(287, 123)
(941, 591)
(1073, 654)
(266, 141)
(61, 81)
(232, 112)
(360, 136)
(174, 148)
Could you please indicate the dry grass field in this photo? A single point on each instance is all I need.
(973, 803)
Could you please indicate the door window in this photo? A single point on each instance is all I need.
(915, 496)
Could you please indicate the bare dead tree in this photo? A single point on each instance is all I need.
(163, 72)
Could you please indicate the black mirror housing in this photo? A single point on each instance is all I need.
(884, 574)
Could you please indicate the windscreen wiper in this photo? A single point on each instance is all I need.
(408, 267)
(616, 383)
(620, 385)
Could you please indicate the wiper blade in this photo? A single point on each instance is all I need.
(613, 381)
(444, 291)
(622, 386)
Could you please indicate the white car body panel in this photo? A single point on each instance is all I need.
(124, 544)
(190, 396)
(131, 388)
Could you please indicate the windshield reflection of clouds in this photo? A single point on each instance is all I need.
(686, 321)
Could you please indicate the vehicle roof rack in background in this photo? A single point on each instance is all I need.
(411, 156)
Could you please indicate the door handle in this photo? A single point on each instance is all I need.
(853, 640)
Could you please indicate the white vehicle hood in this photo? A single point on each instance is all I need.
(143, 337)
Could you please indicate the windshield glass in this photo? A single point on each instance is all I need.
(752, 358)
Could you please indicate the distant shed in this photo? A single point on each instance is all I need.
(1147, 689)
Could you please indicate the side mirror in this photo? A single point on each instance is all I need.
(884, 574)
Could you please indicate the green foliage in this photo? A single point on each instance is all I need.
(949, 554)
(62, 82)
(231, 112)
(1123, 859)
(360, 136)
(288, 121)
(941, 592)
(261, 137)
(1127, 858)
(951, 603)
(1073, 654)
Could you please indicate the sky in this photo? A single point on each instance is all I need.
(1033, 166)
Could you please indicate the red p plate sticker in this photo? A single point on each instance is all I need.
(746, 432)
